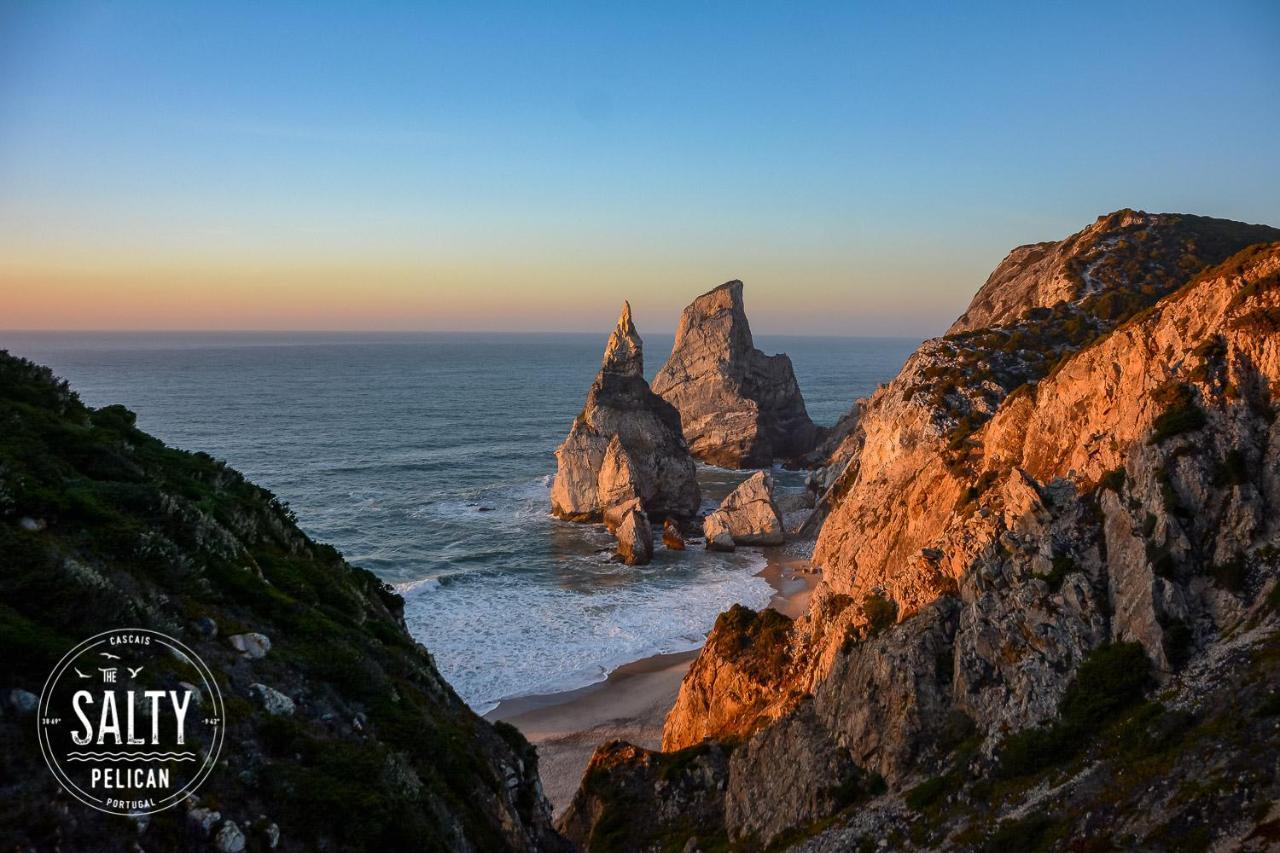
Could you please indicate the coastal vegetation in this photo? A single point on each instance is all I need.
(103, 526)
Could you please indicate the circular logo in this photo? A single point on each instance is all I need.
(130, 721)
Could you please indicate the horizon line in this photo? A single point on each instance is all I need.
(604, 333)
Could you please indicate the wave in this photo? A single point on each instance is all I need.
(504, 634)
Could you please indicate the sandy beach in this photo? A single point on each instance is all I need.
(632, 702)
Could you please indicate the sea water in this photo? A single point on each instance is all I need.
(428, 458)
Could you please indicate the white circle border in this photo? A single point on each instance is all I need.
(211, 757)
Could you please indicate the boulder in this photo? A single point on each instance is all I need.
(635, 538)
(23, 702)
(626, 443)
(739, 408)
(671, 536)
(205, 627)
(202, 820)
(748, 516)
(250, 645)
(230, 838)
(715, 527)
(271, 700)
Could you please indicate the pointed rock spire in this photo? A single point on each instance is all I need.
(624, 354)
(625, 449)
(739, 407)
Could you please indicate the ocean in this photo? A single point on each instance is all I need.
(427, 458)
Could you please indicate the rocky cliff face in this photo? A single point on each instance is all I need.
(1108, 267)
(340, 732)
(626, 443)
(739, 407)
(1076, 485)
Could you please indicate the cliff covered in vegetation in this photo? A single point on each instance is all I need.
(358, 743)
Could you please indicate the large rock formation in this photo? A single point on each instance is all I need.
(739, 408)
(625, 444)
(1032, 519)
(340, 732)
(1120, 260)
(748, 516)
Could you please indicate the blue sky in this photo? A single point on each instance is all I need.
(862, 167)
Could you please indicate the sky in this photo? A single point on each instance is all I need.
(482, 166)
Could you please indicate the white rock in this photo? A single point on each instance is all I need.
(635, 539)
(203, 820)
(748, 516)
(230, 838)
(271, 700)
(250, 645)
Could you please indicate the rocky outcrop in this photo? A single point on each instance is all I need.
(748, 516)
(1086, 483)
(635, 538)
(730, 688)
(636, 799)
(1114, 260)
(739, 408)
(625, 444)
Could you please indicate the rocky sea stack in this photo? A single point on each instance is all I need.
(1050, 604)
(625, 445)
(739, 408)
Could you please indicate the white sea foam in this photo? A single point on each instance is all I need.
(408, 588)
(497, 635)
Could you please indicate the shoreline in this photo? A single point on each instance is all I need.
(632, 702)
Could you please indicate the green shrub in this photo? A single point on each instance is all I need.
(927, 793)
(1232, 574)
(1113, 480)
(1182, 414)
(881, 613)
(1112, 678)
(1232, 470)
(1030, 834)
(1062, 565)
(759, 643)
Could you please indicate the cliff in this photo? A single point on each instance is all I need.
(649, 460)
(739, 408)
(102, 526)
(1028, 532)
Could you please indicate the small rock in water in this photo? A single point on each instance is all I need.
(748, 516)
(635, 539)
(250, 645)
(715, 527)
(671, 537)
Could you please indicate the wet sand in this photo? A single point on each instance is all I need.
(631, 704)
